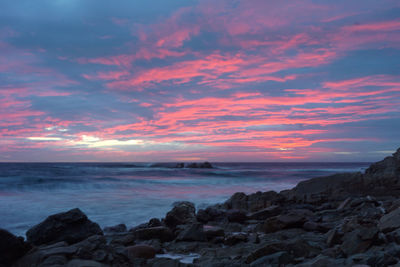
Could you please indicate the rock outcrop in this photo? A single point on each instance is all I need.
(71, 226)
(194, 165)
(11, 248)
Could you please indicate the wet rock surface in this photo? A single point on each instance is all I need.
(340, 220)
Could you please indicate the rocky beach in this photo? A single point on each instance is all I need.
(347, 219)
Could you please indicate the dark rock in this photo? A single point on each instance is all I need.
(38, 255)
(368, 233)
(203, 216)
(212, 232)
(383, 177)
(321, 189)
(99, 255)
(154, 222)
(192, 165)
(253, 202)
(85, 263)
(215, 214)
(164, 234)
(382, 259)
(182, 213)
(193, 232)
(55, 260)
(345, 203)
(352, 243)
(166, 262)
(291, 219)
(140, 226)
(265, 213)
(322, 261)
(125, 240)
(71, 226)
(180, 165)
(389, 167)
(394, 236)
(11, 247)
(116, 229)
(236, 216)
(390, 221)
(296, 248)
(235, 238)
(86, 248)
(204, 165)
(61, 250)
(316, 227)
(237, 201)
(140, 251)
(333, 237)
(261, 200)
(276, 259)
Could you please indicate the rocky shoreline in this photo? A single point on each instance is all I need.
(345, 219)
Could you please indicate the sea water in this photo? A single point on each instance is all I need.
(133, 193)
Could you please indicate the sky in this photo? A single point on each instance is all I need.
(186, 80)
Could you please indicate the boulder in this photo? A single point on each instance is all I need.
(394, 236)
(237, 201)
(212, 232)
(140, 251)
(291, 219)
(390, 221)
(215, 214)
(182, 213)
(261, 200)
(321, 189)
(265, 213)
(154, 222)
(71, 226)
(11, 247)
(203, 216)
(253, 202)
(125, 239)
(235, 238)
(353, 243)
(164, 234)
(120, 228)
(204, 165)
(193, 232)
(236, 216)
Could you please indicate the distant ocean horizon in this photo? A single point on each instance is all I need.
(132, 193)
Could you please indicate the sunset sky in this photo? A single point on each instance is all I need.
(184, 80)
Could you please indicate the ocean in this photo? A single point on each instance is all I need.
(132, 193)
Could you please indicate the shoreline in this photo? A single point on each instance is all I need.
(347, 219)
